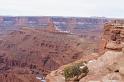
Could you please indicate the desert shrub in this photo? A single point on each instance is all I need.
(75, 70)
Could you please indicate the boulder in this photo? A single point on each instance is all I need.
(108, 58)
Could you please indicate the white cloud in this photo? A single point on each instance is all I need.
(108, 8)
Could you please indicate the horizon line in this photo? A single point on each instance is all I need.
(61, 16)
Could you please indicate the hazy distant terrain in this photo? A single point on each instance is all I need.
(63, 23)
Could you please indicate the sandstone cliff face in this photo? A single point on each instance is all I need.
(107, 67)
(110, 65)
(113, 35)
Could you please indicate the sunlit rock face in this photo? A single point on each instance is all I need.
(110, 66)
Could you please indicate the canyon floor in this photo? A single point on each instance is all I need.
(30, 53)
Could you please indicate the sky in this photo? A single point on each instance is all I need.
(76, 8)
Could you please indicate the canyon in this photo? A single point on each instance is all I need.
(32, 47)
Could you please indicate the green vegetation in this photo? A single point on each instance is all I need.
(75, 70)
